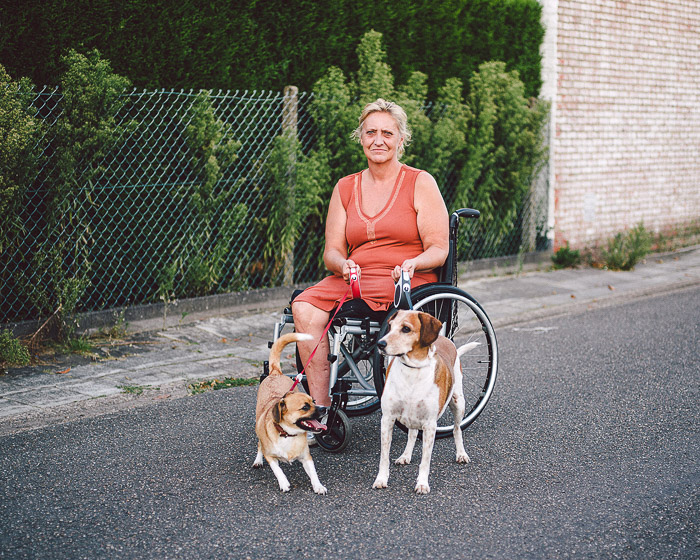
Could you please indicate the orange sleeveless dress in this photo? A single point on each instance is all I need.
(376, 243)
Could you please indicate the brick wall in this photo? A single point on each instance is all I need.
(626, 146)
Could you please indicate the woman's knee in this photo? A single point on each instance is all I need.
(307, 317)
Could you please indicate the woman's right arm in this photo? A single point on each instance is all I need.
(335, 255)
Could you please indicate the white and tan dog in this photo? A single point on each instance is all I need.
(422, 379)
(283, 418)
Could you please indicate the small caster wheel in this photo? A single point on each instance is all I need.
(337, 436)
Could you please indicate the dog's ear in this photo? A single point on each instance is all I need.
(429, 328)
(278, 410)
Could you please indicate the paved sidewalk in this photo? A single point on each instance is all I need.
(166, 361)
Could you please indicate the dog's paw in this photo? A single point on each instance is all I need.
(320, 489)
(422, 488)
(380, 483)
(463, 458)
(403, 460)
(257, 464)
(285, 486)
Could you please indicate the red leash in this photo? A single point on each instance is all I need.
(355, 289)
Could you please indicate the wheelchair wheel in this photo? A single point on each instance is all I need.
(336, 438)
(464, 321)
(357, 405)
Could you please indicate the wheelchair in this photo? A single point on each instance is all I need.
(358, 368)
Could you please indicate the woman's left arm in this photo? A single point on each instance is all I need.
(433, 227)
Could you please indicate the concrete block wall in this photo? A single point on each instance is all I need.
(626, 143)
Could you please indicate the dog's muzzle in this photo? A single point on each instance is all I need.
(312, 424)
(381, 344)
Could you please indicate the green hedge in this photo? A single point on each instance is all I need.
(272, 43)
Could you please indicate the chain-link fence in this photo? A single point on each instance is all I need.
(159, 217)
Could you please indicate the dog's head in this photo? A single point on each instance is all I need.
(298, 411)
(411, 333)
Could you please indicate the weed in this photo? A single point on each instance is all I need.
(120, 326)
(215, 384)
(136, 389)
(674, 239)
(626, 249)
(76, 345)
(565, 257)
(12, 351)
(166, 285)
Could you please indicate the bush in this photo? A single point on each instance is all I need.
(505, 149)
(565, 257)
(19, 152)
(83, 135)
(213, 222)
(12, 351)
(625, 250)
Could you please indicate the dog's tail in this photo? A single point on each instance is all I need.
(466, 348)
(276, 350)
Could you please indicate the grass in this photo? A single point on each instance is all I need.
(673, 239)
(215, 384)
(136, 389)
(76, 345)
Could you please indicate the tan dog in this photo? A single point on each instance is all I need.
(283, 418)
(422, 379)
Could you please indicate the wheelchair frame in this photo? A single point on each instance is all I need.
(352, 342)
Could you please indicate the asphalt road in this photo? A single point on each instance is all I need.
(588, 449)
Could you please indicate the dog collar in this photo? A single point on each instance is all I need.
(281, 431)
(410, 366)
(399, 356)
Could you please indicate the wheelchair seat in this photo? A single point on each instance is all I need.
(352, 308)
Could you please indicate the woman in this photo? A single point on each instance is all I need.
(383, 220)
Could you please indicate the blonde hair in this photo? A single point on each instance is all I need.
(395, 110)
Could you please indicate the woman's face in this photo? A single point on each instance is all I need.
(380, 137)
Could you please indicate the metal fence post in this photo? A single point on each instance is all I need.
(290, 105)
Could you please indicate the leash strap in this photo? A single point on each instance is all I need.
(402, 292)
(354, 288)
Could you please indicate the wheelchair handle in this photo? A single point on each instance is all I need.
(454, 222)
(466, 213)
(448, 272)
